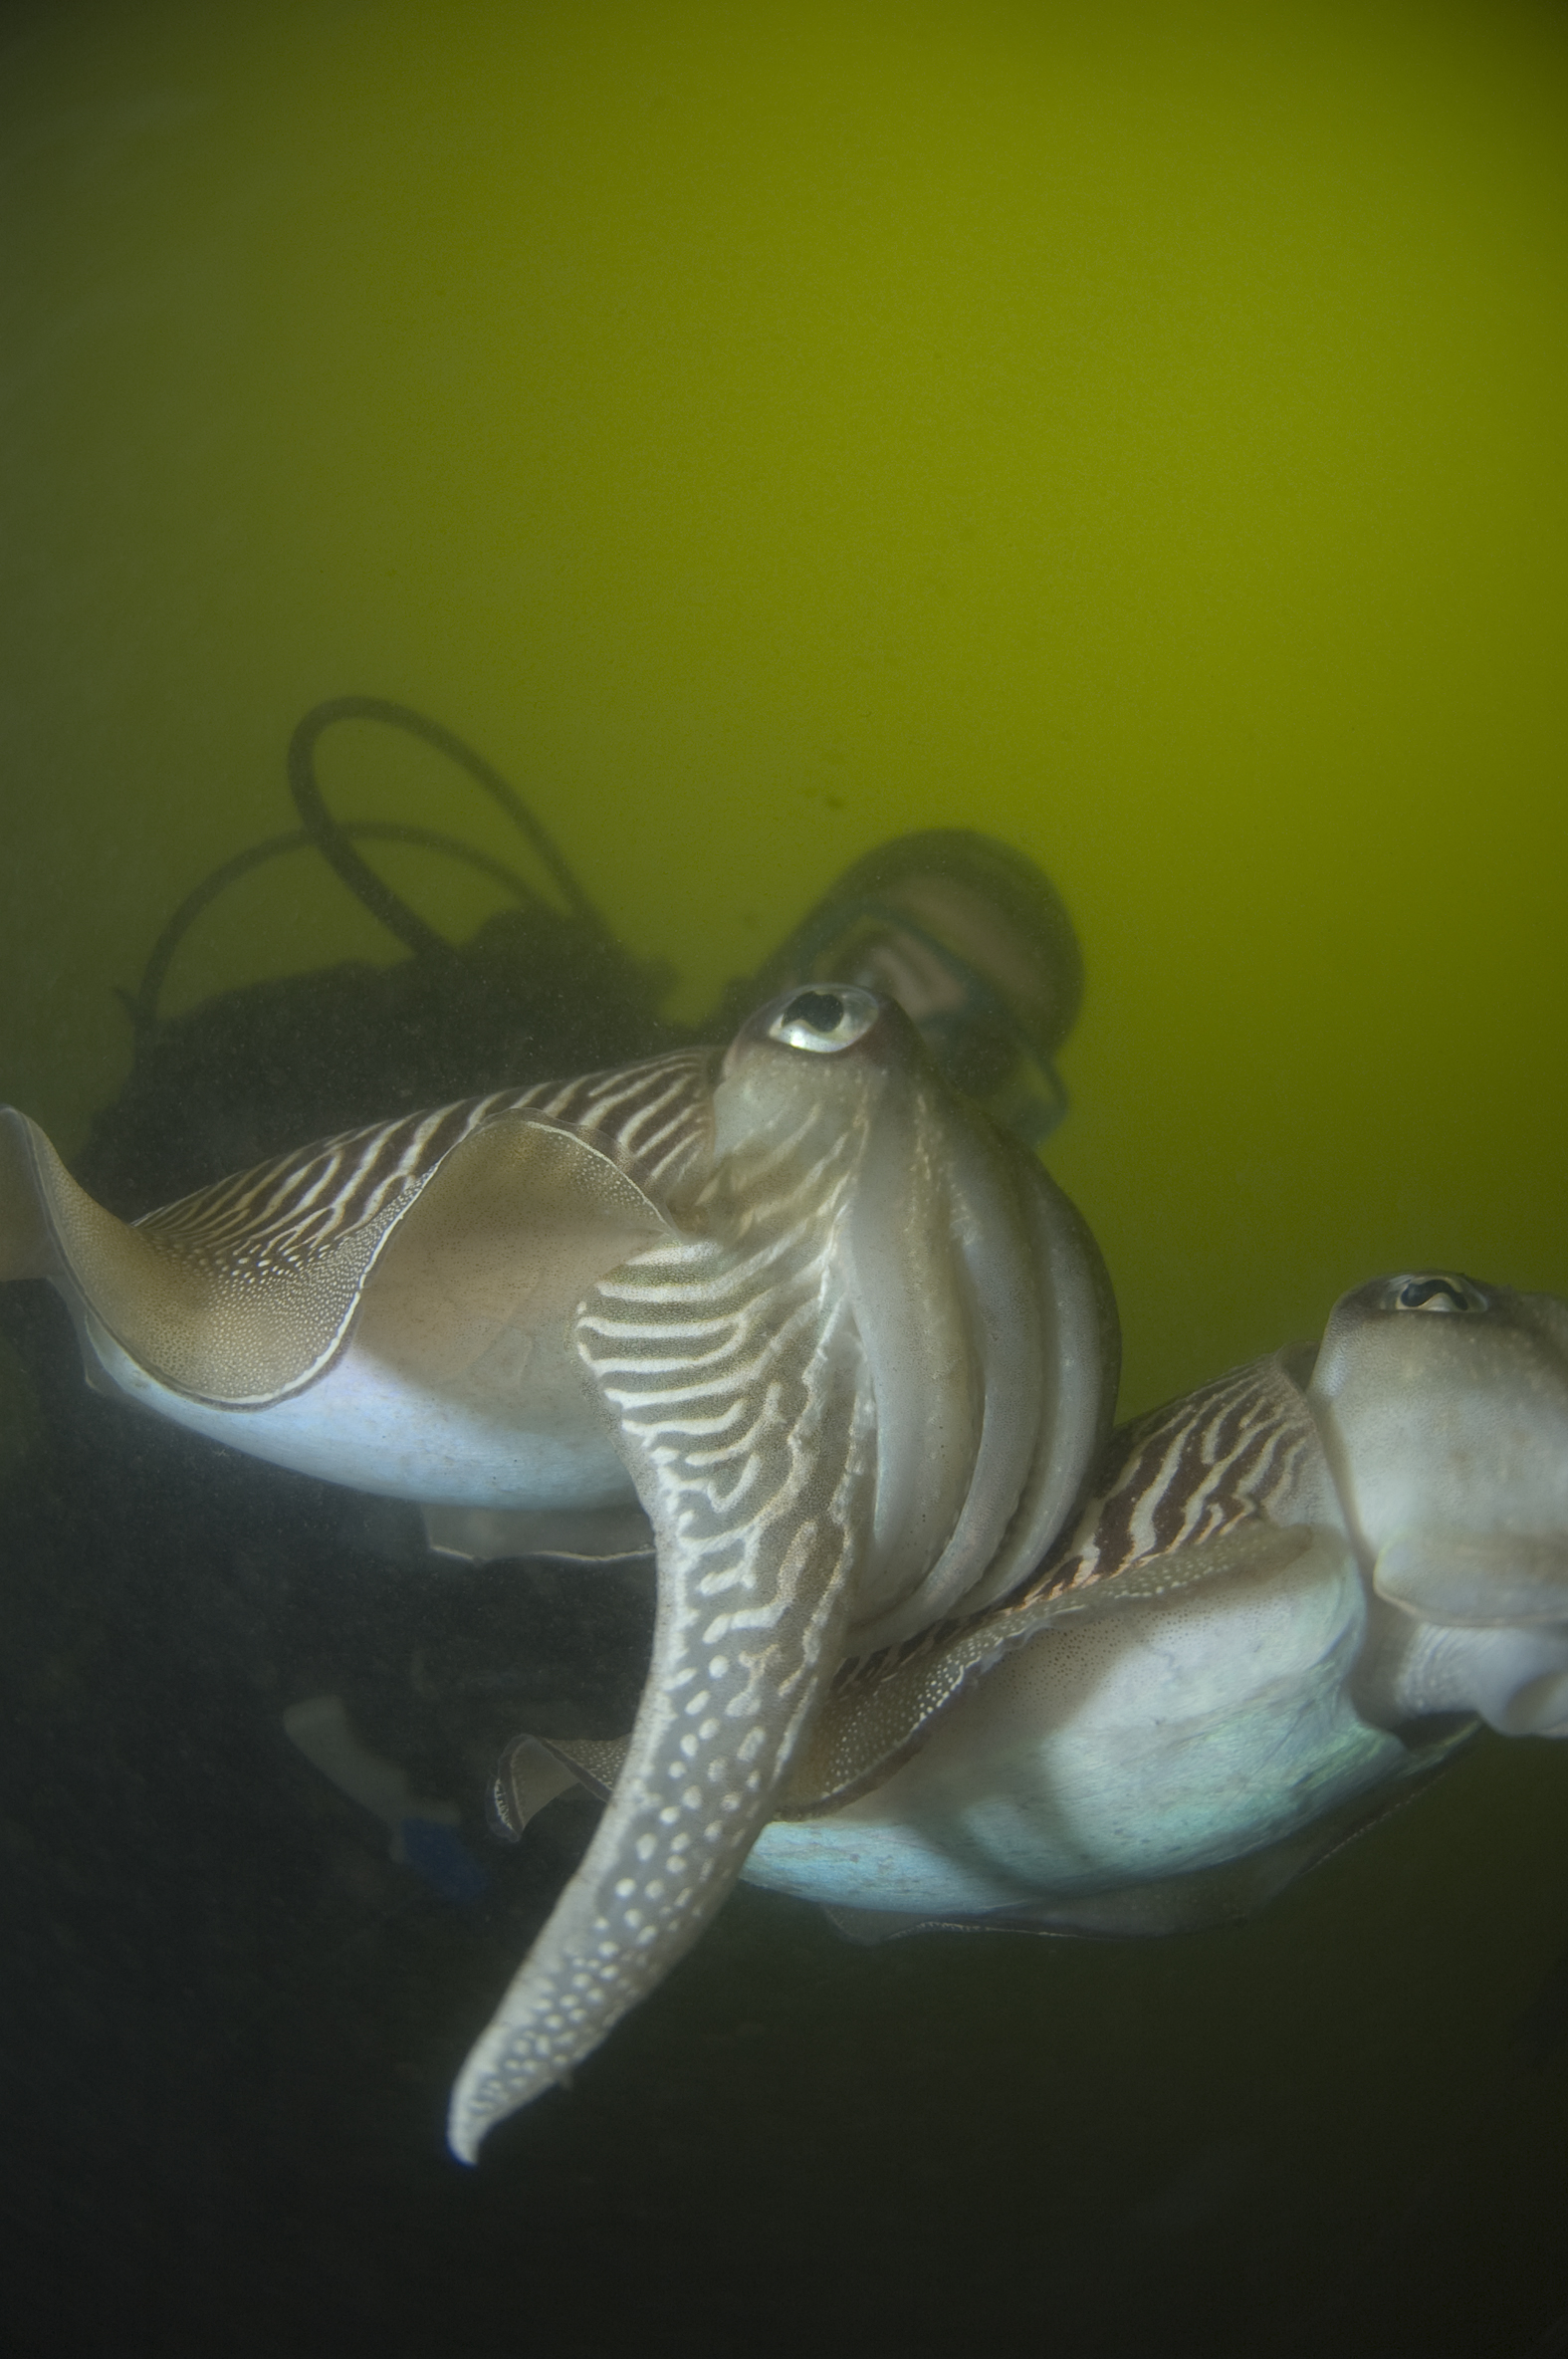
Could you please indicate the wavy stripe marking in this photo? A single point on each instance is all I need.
(650, 1121)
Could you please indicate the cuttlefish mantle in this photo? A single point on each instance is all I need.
(845, 1346)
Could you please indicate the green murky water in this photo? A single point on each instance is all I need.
(1135, 431)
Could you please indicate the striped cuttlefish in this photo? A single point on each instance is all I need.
(796, 1316)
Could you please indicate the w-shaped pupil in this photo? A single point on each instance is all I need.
(823, 1011)
(1434, 1294)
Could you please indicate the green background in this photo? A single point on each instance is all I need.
(1135, 430)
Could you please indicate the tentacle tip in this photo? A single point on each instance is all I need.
(472, 2117)
(469, 2118)
(469, 2122)
(480, 2104)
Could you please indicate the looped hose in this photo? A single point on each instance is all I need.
(334, 840)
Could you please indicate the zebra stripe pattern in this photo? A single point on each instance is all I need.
(652, 1120)
(1192, 1471)
(694, 1345)
(760, 1454)
(756, 1459)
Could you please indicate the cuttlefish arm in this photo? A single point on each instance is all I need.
(756, 1464)
(765, 1373)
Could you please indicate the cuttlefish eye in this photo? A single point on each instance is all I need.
(826, 1020)
(1442, 1290)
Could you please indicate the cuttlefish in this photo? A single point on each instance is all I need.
(1287, 1597)
(842, 1344)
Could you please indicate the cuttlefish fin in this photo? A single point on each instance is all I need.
(1202, 1898)
(1193, 1903)
(528, 1775)
(192, 1315)
(594, 1763)
(27, 1240)
(441, 1227)
(881, 1712)
(746, 1423)
(505, 1240)
(580, 1535)
(245, 1292)
(1475, 1580)
(534, 1770)
(869, 1928)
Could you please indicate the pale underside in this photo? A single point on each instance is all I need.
(1115, 1749)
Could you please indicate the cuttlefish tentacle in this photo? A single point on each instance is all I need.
(759, 1471)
